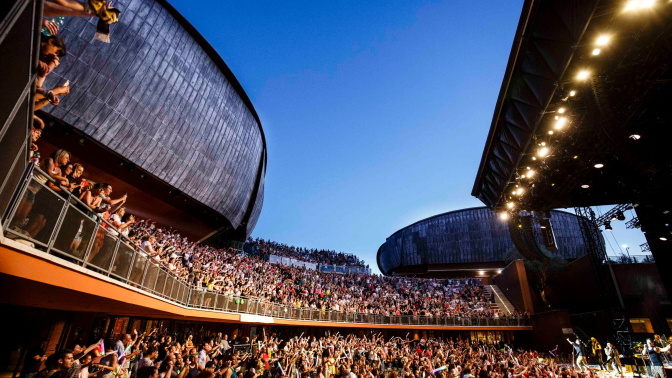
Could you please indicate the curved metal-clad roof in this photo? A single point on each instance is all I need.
(473, 235)
(161, 96)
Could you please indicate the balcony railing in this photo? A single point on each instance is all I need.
(59, 224)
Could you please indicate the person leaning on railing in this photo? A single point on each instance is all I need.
(52, 49)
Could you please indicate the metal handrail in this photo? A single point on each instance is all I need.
(140, 271)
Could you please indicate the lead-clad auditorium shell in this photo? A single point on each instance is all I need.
(474, 235)
(160, 96)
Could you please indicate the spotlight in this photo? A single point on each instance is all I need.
(561, 110)
(596, 52)
(561, 122)
(603, 40)
(534, 158)
(510, 205)
(576, 156)
(635, 136)
(663, 238)
(504, 216)
(520, 191)
(585, 186)
(528, 168)
(614, 217)
(583, 75)
(607, 226)
(530, 174)
(639, 4)
(620, 216)
(543, 151)
(572, 93)
(543, 144)
(598, 165)
(499, 271)
(481, 272)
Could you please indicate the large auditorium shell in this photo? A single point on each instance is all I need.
(160, 96)
(466, 242)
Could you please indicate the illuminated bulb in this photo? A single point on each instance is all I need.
(481, 272)
(528, 168)
(550, 132)
(576, 156)
(534, 158)
(504, 216)
(585, 186)
(603, 40)
(572, 93)
(510, 205)
(598, 166)
(519, 191)
(635, 136)
(583, 75)
(561, 110)
(523, 176)
(499, 271)
(561, 122)
(530, 174)
(663, 239)
(557, 118)
(543, 152)
(543, 143)
(596, 52)
(632, 5)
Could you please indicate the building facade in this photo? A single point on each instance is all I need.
(160, 96)
(470, 239)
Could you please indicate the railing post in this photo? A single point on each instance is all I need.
(130, 266)
(57, 226)
(85, 259)
(114, 256)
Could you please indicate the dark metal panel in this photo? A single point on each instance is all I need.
(160, 96)
(468, 236)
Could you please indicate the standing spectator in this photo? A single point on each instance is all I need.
(35, 356)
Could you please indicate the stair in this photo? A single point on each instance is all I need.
(501, 304)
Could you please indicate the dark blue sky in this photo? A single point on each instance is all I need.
(375, 112)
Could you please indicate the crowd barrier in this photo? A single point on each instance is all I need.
(67, 229)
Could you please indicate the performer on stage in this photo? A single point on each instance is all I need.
(655, 358)
(578, 352)
(597, 352)
(612, 357)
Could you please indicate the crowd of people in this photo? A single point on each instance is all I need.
(329, 356)
(229, 272)
(318, 256)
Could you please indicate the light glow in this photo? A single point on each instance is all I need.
(596, 52)
(550, 132)
(585, 186)
(583, 75)
(635, 136)
(561, 110)
(543, 151)
(598, 165)
(561, 123)
(639, 4)
(530, 174)
(510, 205)
(572, 93)
(663, 238)
(603, 40)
